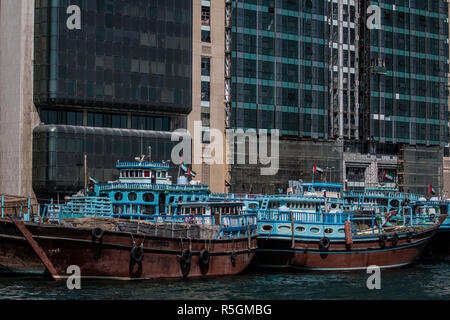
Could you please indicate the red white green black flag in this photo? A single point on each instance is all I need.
(317, 169)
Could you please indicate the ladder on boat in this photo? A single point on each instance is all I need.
(265, 204)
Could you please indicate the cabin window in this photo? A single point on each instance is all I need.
(300, 229)
(118, 196)
(149, 197)
(140, 173)
(284, 228)
(149, 210)
(329, 230)
(314, 230)
(341, 230)
(147, 174)
(266, 228)
(132, 196)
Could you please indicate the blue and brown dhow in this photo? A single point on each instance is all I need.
(339, 241)
(215, 239)
(137, 229)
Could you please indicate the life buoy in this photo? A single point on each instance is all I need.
(204, 257)
(97, 233)
(394, 239)
(186, 256)
(324, 244)
(137, 254)
(383, 240)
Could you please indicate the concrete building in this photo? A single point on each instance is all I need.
(18, 115)
(208, 83)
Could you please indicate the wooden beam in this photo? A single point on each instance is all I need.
(39, 251)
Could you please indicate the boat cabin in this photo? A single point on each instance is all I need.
(144, 172)
(331, 190)
(209, 208)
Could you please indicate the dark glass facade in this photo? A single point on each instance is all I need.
(58, 154)
(405, 66)
(133, 55)
(280, 66)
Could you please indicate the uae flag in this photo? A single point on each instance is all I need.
(184, 166)
(387, 176)
(192, 173)
(317, 169)
(93, 180)
(431, 190)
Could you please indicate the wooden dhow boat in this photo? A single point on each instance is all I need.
(208, 239)
(342, 241)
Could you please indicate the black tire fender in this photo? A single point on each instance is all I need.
(383, 240)
(186, 256)
(324, 244)
(204, 257)
(137, 254)
(394, 239)
(97, 233)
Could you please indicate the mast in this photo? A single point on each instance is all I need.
(85, 174)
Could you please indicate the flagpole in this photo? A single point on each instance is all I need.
(179, 168)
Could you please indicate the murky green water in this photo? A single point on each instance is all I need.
(423, 281)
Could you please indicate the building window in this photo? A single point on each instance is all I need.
(205, 90)
(206, 16)
(206, 35)
(62, 117)
(205, 119)
(149, 123)
(206, 65)
(104, 120)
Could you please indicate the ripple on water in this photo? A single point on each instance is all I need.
(424, 281)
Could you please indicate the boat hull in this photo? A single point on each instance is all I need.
(16, 254)
(110, 257)
(439, 247)
(362, 253)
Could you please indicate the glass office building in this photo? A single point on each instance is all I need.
(317, 72)
(280, 66)
(111, 86)
(127, 55)
(405, 65)
(58, 154)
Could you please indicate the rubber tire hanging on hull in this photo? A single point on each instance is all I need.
(324, 244)
(97, 234)
(394, 239)
(383, 240)
(204, 257)
(137, 254)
